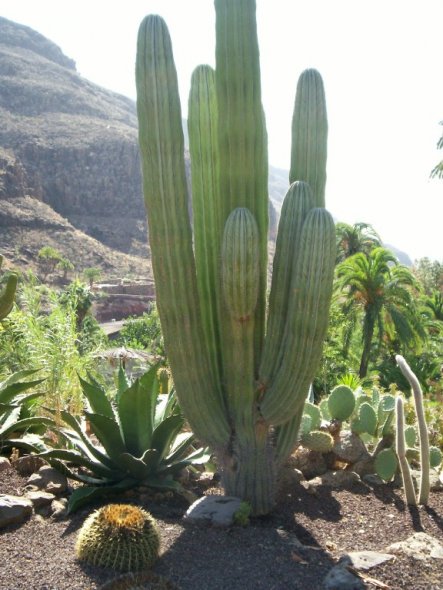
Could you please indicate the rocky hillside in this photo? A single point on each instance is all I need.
(69, 165)
(69, 162)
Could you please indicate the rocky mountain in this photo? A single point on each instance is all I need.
(69, 165)
(69, 162)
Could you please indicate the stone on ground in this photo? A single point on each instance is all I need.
(216, 510)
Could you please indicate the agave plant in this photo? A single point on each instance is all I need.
(16, 422)
(140, 440)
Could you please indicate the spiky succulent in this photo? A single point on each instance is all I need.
(120, 537)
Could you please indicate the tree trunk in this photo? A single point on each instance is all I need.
(368, 333)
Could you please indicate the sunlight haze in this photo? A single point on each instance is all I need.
(381, 65)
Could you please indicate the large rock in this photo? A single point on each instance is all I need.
(419, 546)
(28, 464)
(13, 509)
(5, 464)
(216, 510)
(310, 463)
(338, 480)
(48, 479)
(350, 448)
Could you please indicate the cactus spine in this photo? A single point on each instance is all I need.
(425, 485)
(242, 390)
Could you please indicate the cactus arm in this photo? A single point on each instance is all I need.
(166, 199)
(297, 203)
(425, 485)
(307, 323)
(240, 283)
(287, 438)
(310, 135)
(400, 447)
(8, 295)
(242, 131)
(207, 225)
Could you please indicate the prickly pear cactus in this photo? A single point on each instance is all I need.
(341, 402)
(317, 440)
(120, 537)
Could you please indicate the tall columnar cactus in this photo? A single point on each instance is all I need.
(400, 447)
(425, 486)
(7, 296)
(241, 378)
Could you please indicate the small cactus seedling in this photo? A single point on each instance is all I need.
(120, 537)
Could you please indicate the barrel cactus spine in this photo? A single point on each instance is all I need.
(242, 390)
(120, 537)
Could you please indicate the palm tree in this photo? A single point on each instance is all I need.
(378, 286)
(351, 239)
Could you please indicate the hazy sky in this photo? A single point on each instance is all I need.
(381, 61)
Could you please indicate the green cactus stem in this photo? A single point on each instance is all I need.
(310, 135)
(423, 435)
(241, 377)
(400, 447)
(7, 296)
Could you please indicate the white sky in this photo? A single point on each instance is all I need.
(381, 61)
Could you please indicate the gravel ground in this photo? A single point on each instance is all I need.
(39, 554)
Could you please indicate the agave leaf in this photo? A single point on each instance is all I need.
(198, 457)
(21, 425)
(78, 459)
(6, 408)
(166, 407)
(9, 418)
(165, 433)
(136, 408)
(97, 399)
(16, 377)
(180, 447)
(108, 433)
(29, 442)
(135, 467)
(76, 427)
(11, 391)
(123, 382)
(26, 398)
(166, 483)
(85, 495)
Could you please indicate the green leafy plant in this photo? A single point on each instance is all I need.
(138, 440)
(42, 331)
(16, 420)
(241, 516)
(242, 392)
